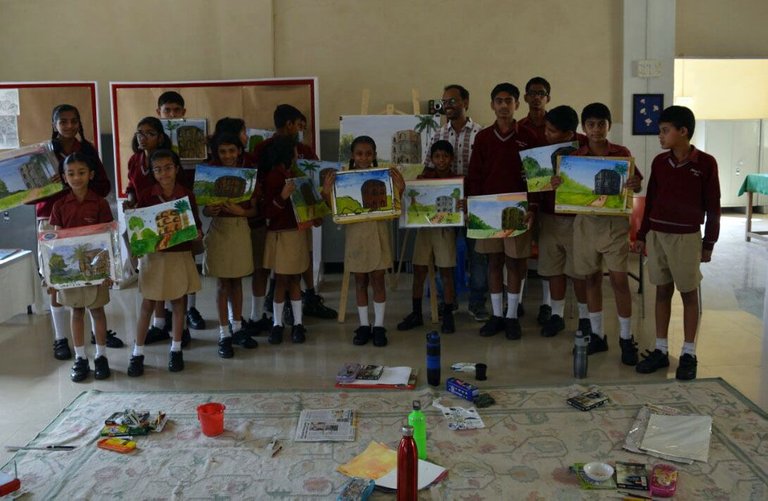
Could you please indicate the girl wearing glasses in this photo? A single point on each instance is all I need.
(149, 137)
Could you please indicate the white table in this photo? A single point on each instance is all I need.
(19, 284)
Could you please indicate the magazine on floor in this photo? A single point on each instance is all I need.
(326, 425)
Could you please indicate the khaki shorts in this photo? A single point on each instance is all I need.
(518, 247)
(90, 296)
(674, 257)
(286, 252)
(556, 246)
(258, 241)
(438, 241)
(598, 239)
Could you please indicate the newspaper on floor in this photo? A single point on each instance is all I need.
(326, 425)
(460, 418)
(638, 428)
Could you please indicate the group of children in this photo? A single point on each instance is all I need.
(261, 235)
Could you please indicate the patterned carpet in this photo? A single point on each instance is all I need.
(530, 439)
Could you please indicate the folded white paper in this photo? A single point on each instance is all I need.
(679, 436)
(428, 473)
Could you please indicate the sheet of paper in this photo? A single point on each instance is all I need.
(326, 425)
(680, 436)
(390, 376)
(374, 462)
(428, 474)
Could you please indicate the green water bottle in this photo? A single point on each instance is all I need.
(418, 421)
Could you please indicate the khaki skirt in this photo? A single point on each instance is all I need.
(228, 248)
(367, 247)
(90, 296)
(258, 241)
(168, 275)
(286, 252)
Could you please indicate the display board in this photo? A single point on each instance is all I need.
(252, 100)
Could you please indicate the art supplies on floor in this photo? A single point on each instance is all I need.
(129, 423)
(631, 476)
(588, 400)
(326, 425)
(116, 444)
(585, 482)
(460, 418)
(402, 378)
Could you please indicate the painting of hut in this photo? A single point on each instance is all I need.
(607, 182)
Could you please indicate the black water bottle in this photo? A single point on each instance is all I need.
(433, 358)
(580, 359)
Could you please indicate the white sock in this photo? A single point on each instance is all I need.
(61, 326)
(362, 312)
(583, 310)
(175, 345)
(230, 315)
(236, 325)
(662, 344)
(625, 327)
(101, 350)
(297, 311)
(257, 307)
(224, 332)
(558, 306)
(689, 348)
(158, 322)
(512, 301)
(277, 313)
(496, 307)
(596, 322)
(138, 350)
(378, 313)
(546, 297)
(80, 352)
(191, 301)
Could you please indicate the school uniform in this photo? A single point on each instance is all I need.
(69, 212)
(536, 130)
(555, 238)
(303, 151)
(440, 242)
(286, 250)
(258, 223)
(170, 273)
(140, 176)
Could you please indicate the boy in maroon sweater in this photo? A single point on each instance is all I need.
(683, 189)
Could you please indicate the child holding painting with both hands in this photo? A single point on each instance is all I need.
(368, 249)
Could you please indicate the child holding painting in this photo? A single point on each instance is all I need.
(368, 249)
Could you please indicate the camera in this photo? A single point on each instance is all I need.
(435, 106)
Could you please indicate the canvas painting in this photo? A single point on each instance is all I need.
(77, 257)
(256, 136)
(539, 164)
(496, 216)
(594, 185)
(151, 229)
(26, 173)
(364, 195)
(317, 170)
(429, 203)
(189, 137)
(216, 185)
(307, 203)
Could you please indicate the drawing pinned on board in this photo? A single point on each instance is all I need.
(9, 132)
(9, 102)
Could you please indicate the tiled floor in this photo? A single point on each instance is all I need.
(35, 387)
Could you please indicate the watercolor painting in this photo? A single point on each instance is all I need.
(594, 185)
(189, 137)
(256, 136)
(307, 203)
(216, 185)
(428, 203)
(539, 164)
(496, 216)
(317, 170)
(77, 257)
(26, 173)
(363, 195)
(151, 229)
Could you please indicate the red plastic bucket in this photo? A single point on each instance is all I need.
(211, 417)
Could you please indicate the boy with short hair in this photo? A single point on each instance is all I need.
(170, 104)
(683, 191)
(495, 167)
(605, 239)
(537, 95)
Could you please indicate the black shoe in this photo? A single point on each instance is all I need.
(112, 340)
(520, 310)
(314, 307)
(61, 349)
(448, 325)
(101, 368)
(362, 335)
(186, 338)
(687, 368)
(414, 319)
(379, 336)
(585, 326)
(512, 328)
(195, 320)
(597, 344)
(545, 312)
(276, 334)
(298, 334)
(628, 351)
(553, 326)
(155, 335)
(244, 339)
(80, 370)
(175, 361)
(493, 326)
(256, 327)
(225, 347)
(652, 361)
(136, 366)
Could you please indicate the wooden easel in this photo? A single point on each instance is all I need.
(394, 282)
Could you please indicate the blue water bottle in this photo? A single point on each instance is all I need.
(433, 358)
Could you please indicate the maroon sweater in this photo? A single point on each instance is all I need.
(680, 194)
(279, 212)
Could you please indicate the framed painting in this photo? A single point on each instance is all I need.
(216, 185)
(151, 229)
(646, 109)
(430, 203)
(594, 185)
(307, 203)
(364, 195)
(26, 173)
(78, 257)
(189, 137)
(539, 164)
(496, 216)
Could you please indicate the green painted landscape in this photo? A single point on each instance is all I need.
(593, 185)
(496, 216)
(349, 206)
(433, 202)
(151, 229)
(307, 204)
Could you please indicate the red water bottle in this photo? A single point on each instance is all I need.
(407, 467)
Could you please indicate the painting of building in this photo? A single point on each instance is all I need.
(444, 204)
(363, 195)
(33, 172)
(191, 142)
(229, 187)
(406, 147)
(512, 218)
(607, 182)
(168, 222)
(374, 194)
